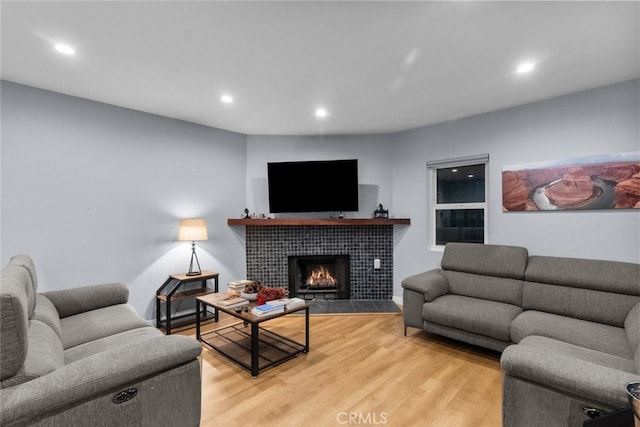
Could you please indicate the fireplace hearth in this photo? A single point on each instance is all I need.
(319, 277)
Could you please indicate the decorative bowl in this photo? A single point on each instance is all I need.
(250, 297)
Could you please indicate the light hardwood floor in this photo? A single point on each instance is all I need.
(360, 370)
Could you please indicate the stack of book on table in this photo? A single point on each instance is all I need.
(277, 306)
(237, 286)
(289, 303)
(232, 302)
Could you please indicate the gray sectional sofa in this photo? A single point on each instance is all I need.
(83, 356)
(568, 328)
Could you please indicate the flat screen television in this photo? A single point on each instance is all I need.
(313, 186)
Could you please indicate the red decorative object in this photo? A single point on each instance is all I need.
(268, 294)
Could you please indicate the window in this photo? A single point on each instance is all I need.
(459, 200)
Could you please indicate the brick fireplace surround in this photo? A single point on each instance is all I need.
(268, 249)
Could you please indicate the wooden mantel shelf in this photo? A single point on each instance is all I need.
(319, 221)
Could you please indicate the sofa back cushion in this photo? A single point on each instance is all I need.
(595, 290)
(599, 275)
(15, 306)
(632, 327)
(492, 288)
(26, 262)
(487, 260)
(603, 307)
(47, 313)
(21, 277)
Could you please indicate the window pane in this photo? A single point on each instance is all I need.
(459, 225)
(463, 184)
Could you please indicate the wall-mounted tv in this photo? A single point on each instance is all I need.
(313, 186)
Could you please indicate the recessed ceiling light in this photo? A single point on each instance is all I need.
(525, 67)
(454, 170)
(65, 48)
(321, 112)
(227, 99)
(470, 175)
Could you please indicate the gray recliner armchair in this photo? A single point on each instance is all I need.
(83, 356)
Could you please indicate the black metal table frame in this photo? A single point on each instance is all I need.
(254, 367)
(177, 284)
(619, 418)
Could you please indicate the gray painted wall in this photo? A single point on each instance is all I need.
(372, 151)
(393, 171)
(603, 120)
(94, 192)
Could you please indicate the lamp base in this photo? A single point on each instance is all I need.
(191, 271)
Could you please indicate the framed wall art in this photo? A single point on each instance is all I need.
(607, 181)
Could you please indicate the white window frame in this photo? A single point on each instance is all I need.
(432, 185)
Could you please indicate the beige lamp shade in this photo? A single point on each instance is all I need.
(193, 229)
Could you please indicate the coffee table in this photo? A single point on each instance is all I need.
(254, 348)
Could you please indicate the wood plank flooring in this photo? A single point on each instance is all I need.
(360, 370)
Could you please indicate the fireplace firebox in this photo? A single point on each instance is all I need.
(319, 276)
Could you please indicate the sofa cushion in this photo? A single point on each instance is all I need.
(26, 262)
(99, 323)
(578, 352)
(21, 277)
(97, 346)
(599, 275)
(488, 318)
(488, 260)
(14, 322)
(47, 313)
(585, 304)
(45, 355)
(592, 335)
(508, 291)
(632, 326)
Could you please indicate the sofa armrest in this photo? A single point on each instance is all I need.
(430, 283)
(568, 375)
(69, 302)
(632, 328)
(97, 375)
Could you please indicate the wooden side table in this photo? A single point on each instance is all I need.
(175, 289)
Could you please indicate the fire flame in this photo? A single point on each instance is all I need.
(321, 277)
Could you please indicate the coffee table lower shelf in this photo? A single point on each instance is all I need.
(235, 343)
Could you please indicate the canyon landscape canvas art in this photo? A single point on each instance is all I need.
(607, 181)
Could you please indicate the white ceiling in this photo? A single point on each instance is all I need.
(376, 66)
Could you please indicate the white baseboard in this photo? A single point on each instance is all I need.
(397, 300)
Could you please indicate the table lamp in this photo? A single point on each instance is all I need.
(193, 229)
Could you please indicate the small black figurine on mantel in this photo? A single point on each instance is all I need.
(381, 212)
(246, 213)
